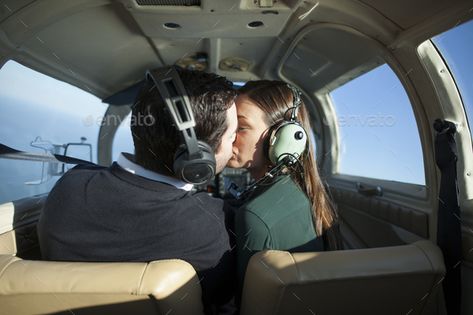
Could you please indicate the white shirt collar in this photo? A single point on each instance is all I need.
(125, 162)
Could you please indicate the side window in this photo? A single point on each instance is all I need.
(456, 47)
(42, 115)
(377, 129)
(123, 140)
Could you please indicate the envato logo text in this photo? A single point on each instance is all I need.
(365, 120)
(115, 120)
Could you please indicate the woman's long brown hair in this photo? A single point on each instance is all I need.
(275, 99)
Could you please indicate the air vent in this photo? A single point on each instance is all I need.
(195, 61)
(234, 64)
(186, 3)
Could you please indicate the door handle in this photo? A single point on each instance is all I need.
(369, 190)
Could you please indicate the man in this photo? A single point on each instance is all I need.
(138, 209)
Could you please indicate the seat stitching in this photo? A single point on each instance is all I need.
(425, 254)
(284, 289)
(140, 282)
(432, 268)
(295, 265)
(6, 266)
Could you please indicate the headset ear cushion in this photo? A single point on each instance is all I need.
(195, 171)
(266, 143)
(204, 147)
(289, 139)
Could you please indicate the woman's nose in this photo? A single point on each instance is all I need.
(234, 148)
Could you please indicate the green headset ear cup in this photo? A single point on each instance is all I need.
(195, 171)
(289, 138)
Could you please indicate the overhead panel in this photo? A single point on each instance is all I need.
(210, 26)
(212, 19)
(169, 2)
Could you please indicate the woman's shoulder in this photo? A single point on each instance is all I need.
(282, 188)
(279, 198)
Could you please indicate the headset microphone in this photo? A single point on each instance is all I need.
(194, 160)
(239, 193)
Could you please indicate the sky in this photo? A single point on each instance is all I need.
(378, 133)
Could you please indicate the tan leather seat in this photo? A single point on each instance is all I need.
(41, 287)
(389, 280)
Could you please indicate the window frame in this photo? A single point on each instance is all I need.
(452, 107)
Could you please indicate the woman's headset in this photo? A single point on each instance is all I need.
(194, 160)
(288, 140)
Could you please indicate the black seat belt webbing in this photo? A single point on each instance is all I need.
(8, 151)
(449, 237)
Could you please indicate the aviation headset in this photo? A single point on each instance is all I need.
(288, 140)
(194, 160)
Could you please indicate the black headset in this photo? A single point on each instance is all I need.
(194, 160)
(288, 140)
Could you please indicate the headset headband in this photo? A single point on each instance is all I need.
(172, 91)
(296, 101)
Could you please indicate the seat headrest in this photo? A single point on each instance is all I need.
(166, 282)
(366, 281)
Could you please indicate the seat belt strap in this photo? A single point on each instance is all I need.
(449, 237)
(10, 153)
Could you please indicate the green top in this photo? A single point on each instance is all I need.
(276, 216)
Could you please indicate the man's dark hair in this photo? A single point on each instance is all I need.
(156, 138)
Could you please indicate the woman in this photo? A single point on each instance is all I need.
(287, 209)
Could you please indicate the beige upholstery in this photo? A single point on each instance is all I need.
(389, 280)
(8, 243)
(40, 287)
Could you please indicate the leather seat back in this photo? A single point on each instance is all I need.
(388, 280)
(44, 287)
